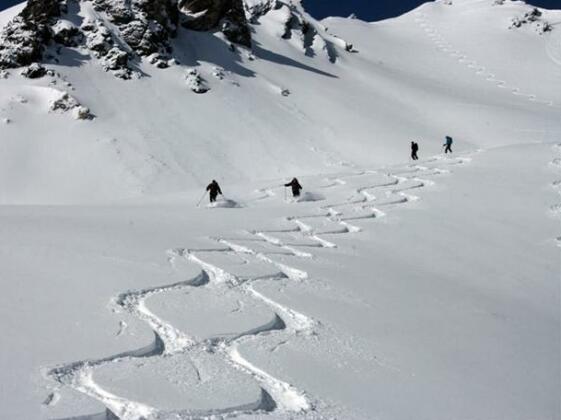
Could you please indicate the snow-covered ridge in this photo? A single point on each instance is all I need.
(120, 32)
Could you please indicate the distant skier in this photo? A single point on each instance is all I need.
(414, 150)
(448, 144)
(296, 187)
(213, 189)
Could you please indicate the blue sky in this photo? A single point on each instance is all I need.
(365, 9)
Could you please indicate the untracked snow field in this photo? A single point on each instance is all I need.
(391, 289)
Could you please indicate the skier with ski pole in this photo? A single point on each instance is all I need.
(296, 187)
(213, 189)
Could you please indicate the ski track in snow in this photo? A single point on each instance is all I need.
(277, 395)
(480, 70)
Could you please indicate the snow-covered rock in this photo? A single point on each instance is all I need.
(196, 82)
(64, 102)
(533, 17)
(66, 33)
(227, 15)
(81, 112)
(34, 71)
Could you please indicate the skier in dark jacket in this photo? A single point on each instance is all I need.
(213, 189)
(296, 187)
(414, 150)
(448, 144)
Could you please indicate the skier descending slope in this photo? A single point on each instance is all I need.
(214, 189)
(448, 144)
(296, 187)
(414, 150)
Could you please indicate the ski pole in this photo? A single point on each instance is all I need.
(201, 200)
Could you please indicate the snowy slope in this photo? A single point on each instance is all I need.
(153, 135)
(391, 290)
(428, 291)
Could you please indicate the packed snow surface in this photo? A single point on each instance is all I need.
(391, 289)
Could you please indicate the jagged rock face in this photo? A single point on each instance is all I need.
(227, 15)
(145, 25)
(23, 39)
(41, 11)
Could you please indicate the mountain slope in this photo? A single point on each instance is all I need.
(293, 104)
(391, 289)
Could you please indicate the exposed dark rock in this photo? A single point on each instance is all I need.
(165, 12)
(145, 27)
(116, 59)
(21, 43)
(23, 39)
(41, 12)
(226, 15)
(99, 40)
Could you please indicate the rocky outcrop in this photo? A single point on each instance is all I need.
(65, 103)
(23, 40)
(145, 28)
(225, 15)
(533, 17)
(34, 71)
(66, 33)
